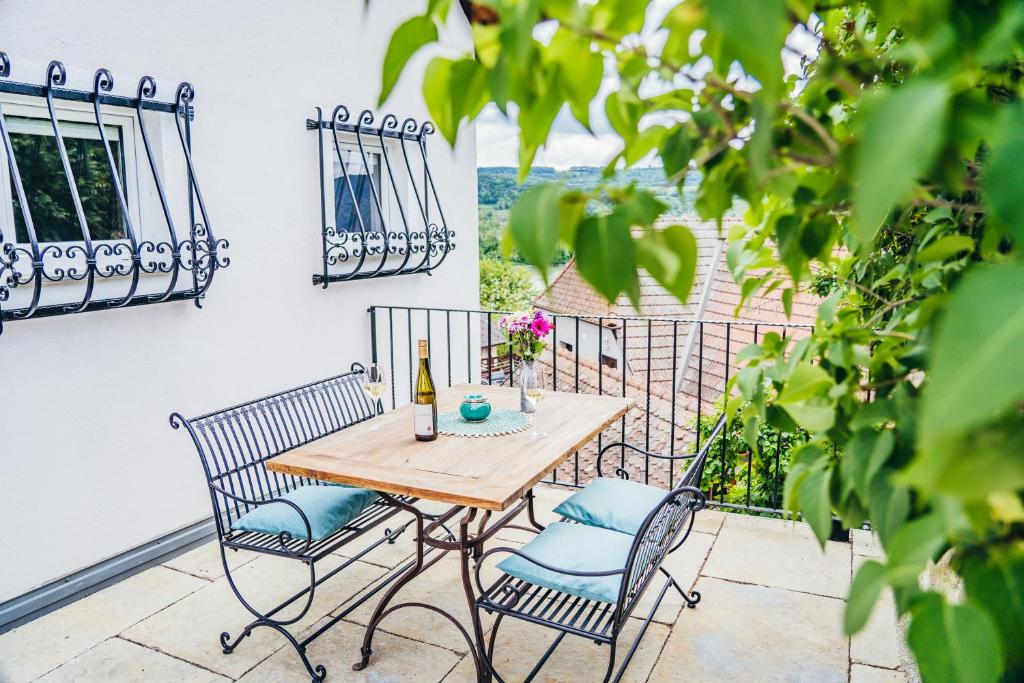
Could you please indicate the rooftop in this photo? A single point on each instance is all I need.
(771, 611)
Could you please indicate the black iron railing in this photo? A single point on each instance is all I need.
(386, 213)
(31, 263)
(676, 369)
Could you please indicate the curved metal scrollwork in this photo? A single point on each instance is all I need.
(31, 264)
(373, 244)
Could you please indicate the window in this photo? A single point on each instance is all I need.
(565, 345)
(360, 175)
(609, 361)
(46, 186)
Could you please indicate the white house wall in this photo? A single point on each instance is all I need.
(89, 466)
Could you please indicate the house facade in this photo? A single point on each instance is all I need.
(89, 466)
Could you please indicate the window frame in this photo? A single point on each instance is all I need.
(16, 107)
(347, 142)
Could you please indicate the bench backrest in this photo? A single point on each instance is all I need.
(235, 443)
(665, 528)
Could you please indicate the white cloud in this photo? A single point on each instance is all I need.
(497, 143)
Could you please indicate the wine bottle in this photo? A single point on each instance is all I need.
(425, 406)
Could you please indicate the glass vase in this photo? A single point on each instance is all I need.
(527, 380)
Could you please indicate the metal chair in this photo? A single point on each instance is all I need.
(662, 532)
(234, 445)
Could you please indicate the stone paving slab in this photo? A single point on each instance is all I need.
(190, 629)
(770, 552)
(124, 662)
(742, 633)
(39, 646)
(866, 543)
(684, 565)
(766, 615)
(205, 561)
(869, 674)
(440, 585)
(878, 644)
(520, 646)
(401, 659)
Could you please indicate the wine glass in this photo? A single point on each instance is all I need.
(375, 382)
(534, 385)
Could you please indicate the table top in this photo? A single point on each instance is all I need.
(491, 472)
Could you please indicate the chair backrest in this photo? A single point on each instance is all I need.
(664, 529)
(235, 443)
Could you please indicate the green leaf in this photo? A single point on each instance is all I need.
(976, 369)
(753, 33)
(813, 494)
(534, 224)
(888, 506)
(954, 643)
(436, 85)
(670, 256)
(1001, 182)
(913, 545)
(644, 208)
(901, 132)
(805, 381)
(943, 248)
(676, 152)
(408, 38)
(453, 91)
(867, 585)
(605, 253)
(864, 457)
(996, 583)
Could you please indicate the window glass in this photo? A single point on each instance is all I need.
(360, 175)
(46, 186)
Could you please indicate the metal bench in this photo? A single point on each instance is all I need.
(234, 445)
(663, 531)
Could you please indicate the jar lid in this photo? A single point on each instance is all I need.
(474, 398)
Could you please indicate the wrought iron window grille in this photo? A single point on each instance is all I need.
(87, 260)
(365, 240)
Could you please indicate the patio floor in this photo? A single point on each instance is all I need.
(771, 611)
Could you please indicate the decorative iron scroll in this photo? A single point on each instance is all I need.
(89, 261)
(369, 247)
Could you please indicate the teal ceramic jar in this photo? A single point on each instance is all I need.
(475, 407)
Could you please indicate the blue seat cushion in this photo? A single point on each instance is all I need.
(612, 503)
(575, 547)
(328, 508)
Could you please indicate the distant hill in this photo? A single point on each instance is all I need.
(497, 190)
(496, 185)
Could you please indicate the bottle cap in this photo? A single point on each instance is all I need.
(423, 348)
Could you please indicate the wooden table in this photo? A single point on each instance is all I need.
(490, 473)
(493, 474)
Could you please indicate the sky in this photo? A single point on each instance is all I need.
(569, 144)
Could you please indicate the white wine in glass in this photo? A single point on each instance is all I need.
(375, 382)
(534, 391)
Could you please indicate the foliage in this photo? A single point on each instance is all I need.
(735, 468)
(898, 138)
(504, 286)
(497, 191)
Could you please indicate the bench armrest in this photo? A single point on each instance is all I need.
(621, 444)
(284, 537)
(484, 593)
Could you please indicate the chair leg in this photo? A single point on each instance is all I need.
(691, 598)
(317, 673)
(611, 664)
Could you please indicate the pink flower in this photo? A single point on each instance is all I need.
(541, 326)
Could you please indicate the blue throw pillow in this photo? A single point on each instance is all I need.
(576, 547)
(612, 503)
(328, 508)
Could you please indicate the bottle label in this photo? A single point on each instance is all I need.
(424, 419)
